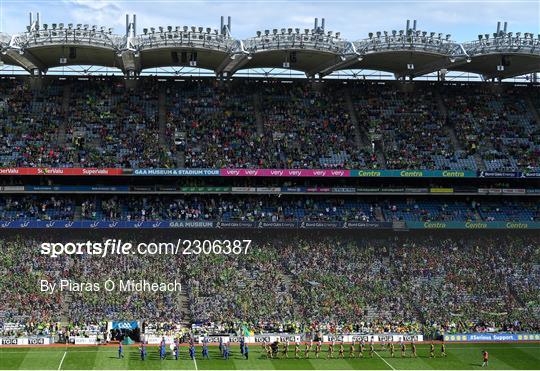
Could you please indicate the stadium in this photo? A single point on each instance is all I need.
(178, 197)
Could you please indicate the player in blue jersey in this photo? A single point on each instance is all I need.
(120, 350)
(143, 351)
(192, 351)
(162, 350)
(221, 345)
(242, 346)
(226, 351)
(205, 350)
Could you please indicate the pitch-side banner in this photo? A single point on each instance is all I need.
(92, 340)
(25, 341)
(491, 337)
(292, 338)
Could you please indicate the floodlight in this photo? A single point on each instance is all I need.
(370, 35)
(201, 29)
(258, 33)
(45, 26)
(169, 28)
(145, 31)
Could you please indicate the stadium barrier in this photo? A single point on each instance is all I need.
(490, 337)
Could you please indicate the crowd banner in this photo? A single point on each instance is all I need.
(233, 224)
(60, 171)
(174, 172)
(124, 325)
(414, 173)
(491, 337)
(286, 172)
(25, 341)
(472, 225)
(314, 173)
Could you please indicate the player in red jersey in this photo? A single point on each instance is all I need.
(486, 356)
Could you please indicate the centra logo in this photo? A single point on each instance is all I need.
(436, 225)
(470, 225)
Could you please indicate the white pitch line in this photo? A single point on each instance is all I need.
(384, 360)
(195, 361)
(62, 361)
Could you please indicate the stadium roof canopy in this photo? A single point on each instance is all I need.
(315, 52)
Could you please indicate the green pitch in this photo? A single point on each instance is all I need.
(460, 356)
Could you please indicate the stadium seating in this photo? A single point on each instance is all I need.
(262, 208)
(426, 284)
(271, 124)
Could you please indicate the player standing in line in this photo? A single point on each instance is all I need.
(331, 350)
(285, 351)
(318, 349)
(307, 349)
(162, 349)
(221, 345)
(242, 346)
(226, 351)
(143, 351)
(382, 346)
(120, 350)
(268, 351)
(341, 350)
(205, 349)
(246, 351)
(192, 352)
(392, 350)
(352, 350)
(431, 350)
(486, 357)
(413, 348)
(443, 349)
(371, 348)
(297, 350)
(361, 349)
(403, 349)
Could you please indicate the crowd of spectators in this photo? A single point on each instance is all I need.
(269, 208)
(272, 124)
(428, 284)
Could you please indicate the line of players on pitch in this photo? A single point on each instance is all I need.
(273, 351)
